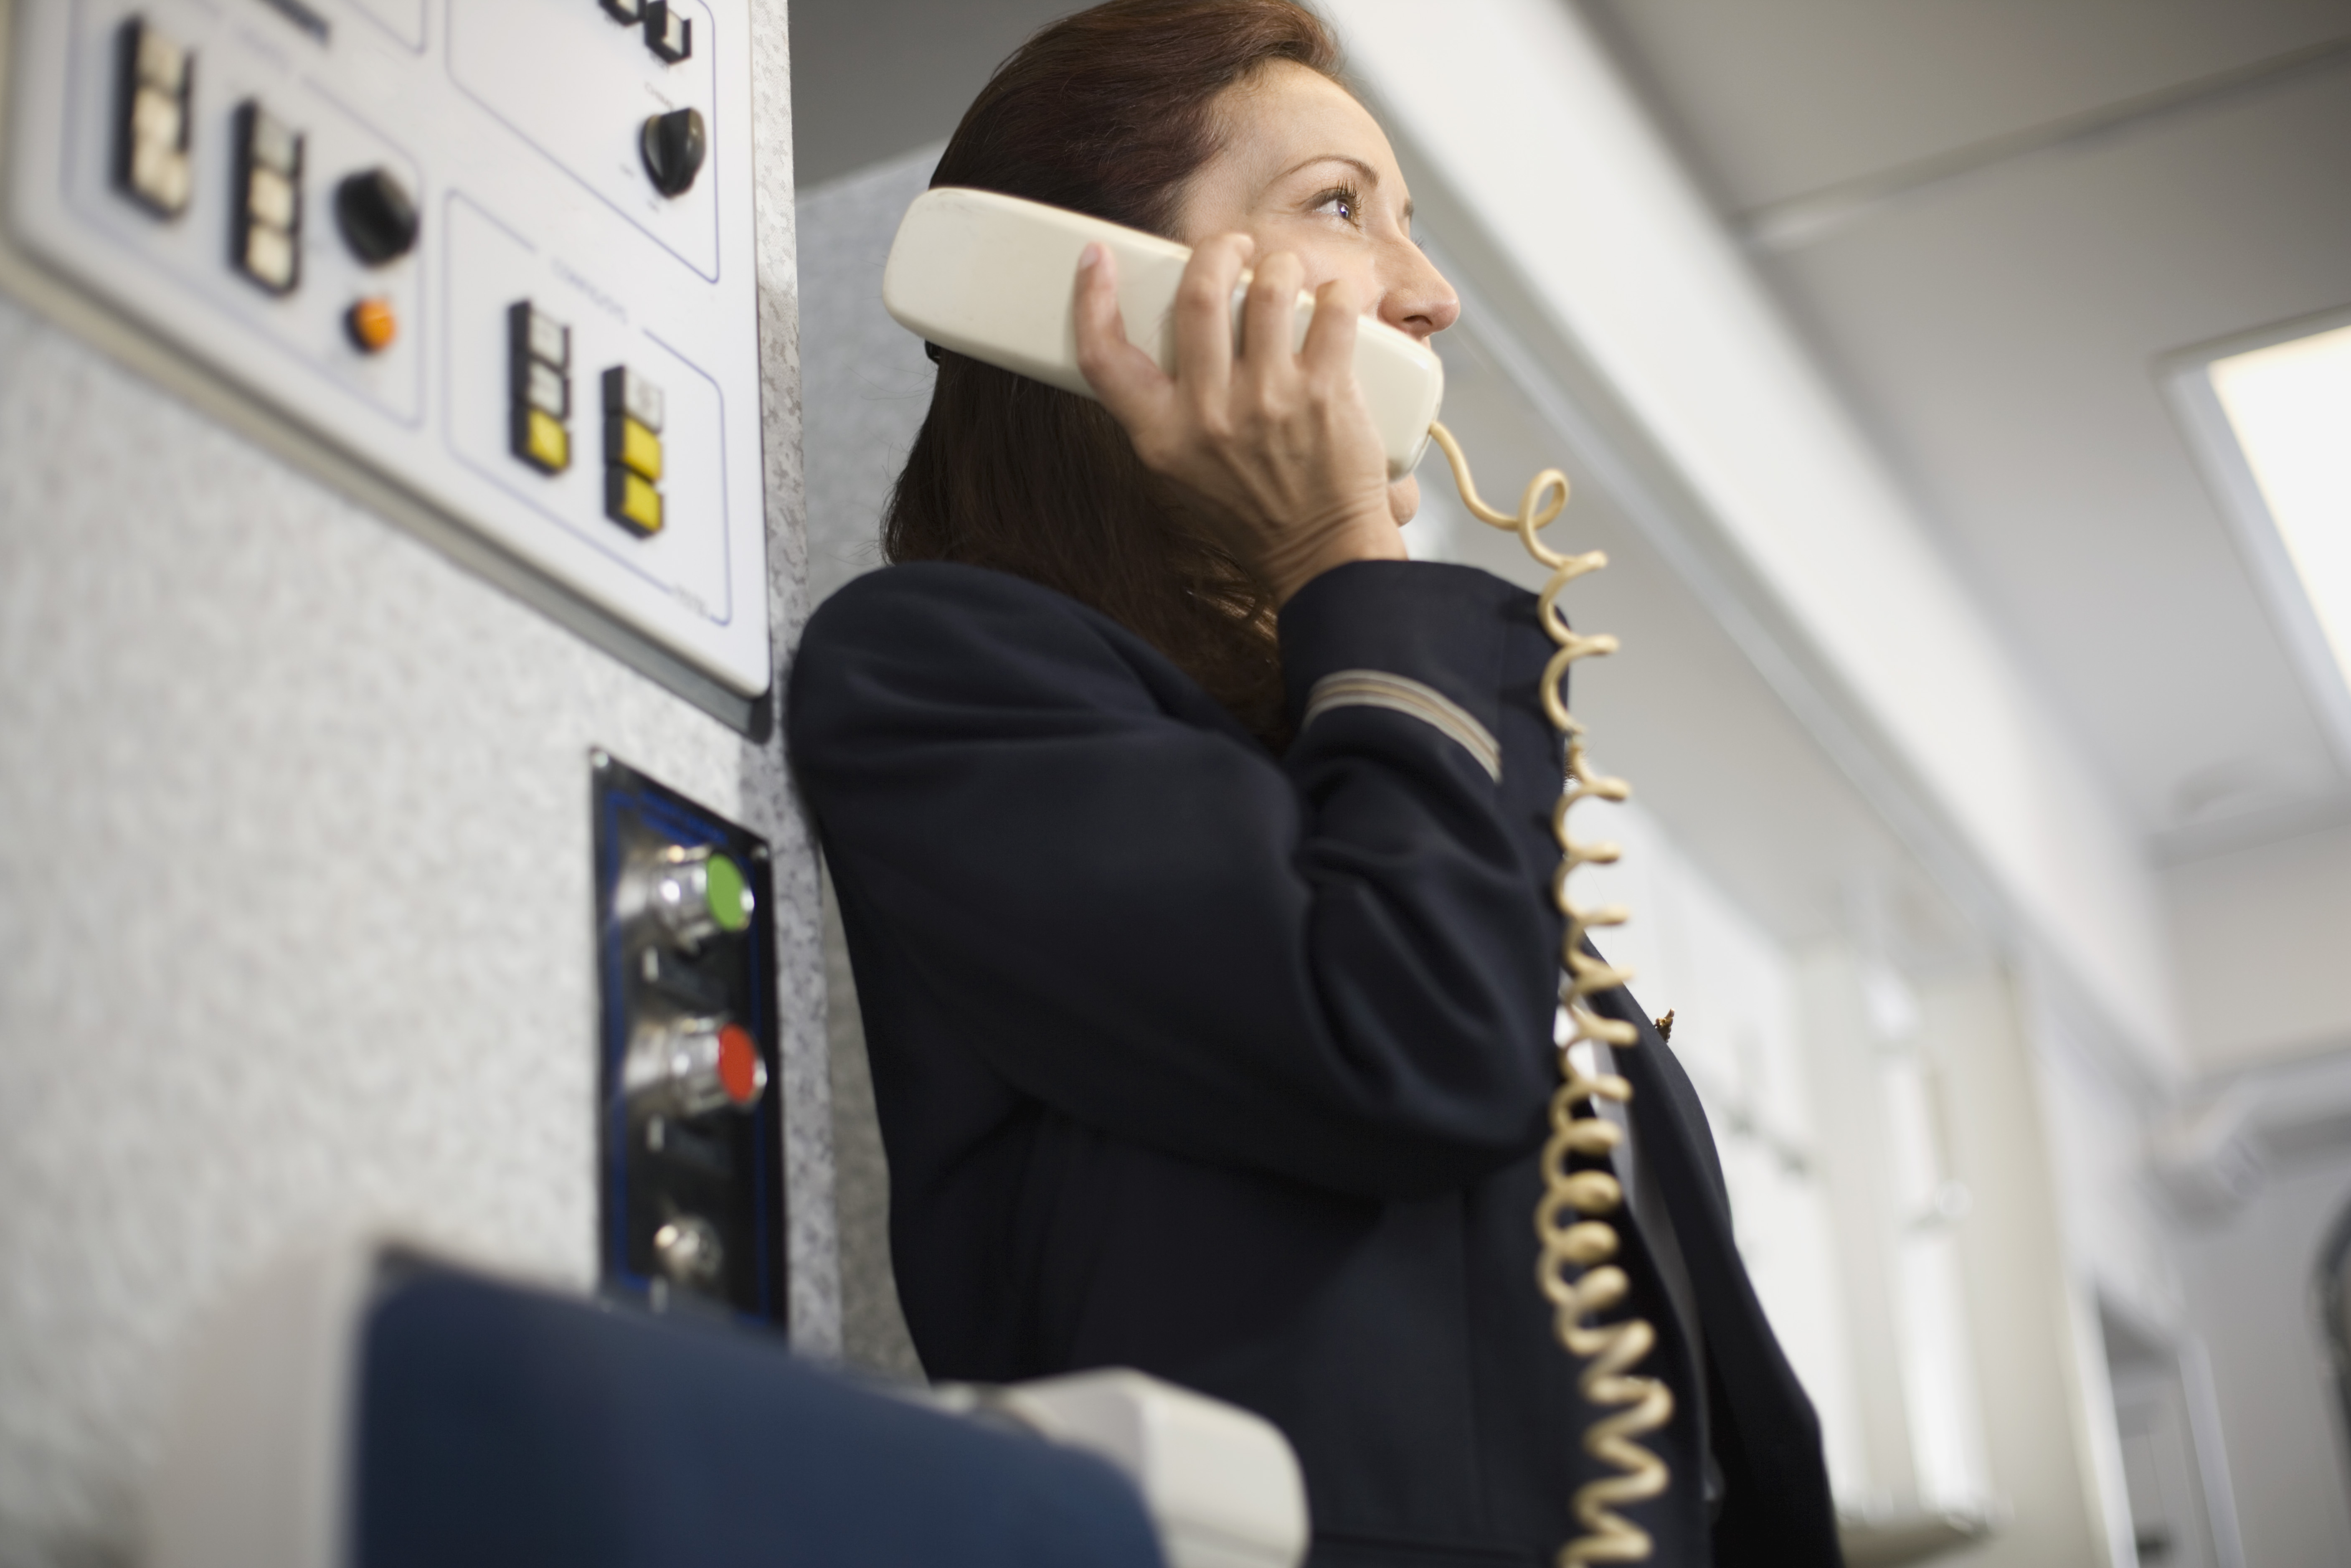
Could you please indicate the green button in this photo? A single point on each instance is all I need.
(730, 898)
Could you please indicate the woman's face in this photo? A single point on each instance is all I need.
(1305, 170)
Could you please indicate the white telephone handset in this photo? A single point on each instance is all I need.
(995, 277)
(992, 277)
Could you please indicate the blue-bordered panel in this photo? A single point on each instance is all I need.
(690, 1130)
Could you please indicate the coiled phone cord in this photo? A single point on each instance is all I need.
(1574, 1242)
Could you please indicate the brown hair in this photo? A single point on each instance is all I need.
(1106, 113)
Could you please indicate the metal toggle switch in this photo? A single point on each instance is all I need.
(693, 1067)
(691, 1251)
(687, 894)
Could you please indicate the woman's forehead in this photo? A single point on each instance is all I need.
(1287, 118)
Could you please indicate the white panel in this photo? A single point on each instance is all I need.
(515, 126)
(582, 109)
(490, 268)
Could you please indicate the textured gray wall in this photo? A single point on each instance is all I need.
(294, 891)
(868, 381)
(868, 385)
(873, 80)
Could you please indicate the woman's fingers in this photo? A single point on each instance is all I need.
(1270, 437)
(1269, 317)
(1128, 381)
(1329, 351)
(1204, 317)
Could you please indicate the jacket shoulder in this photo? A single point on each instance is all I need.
(923, 602)
(940, 633)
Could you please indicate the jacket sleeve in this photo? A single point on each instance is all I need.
(1336, 966)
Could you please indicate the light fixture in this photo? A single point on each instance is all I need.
(2270, 413)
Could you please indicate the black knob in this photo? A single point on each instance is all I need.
(674, 144)
(377, 215)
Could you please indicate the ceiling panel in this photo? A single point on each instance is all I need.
(2000, 332)
(1781, 98)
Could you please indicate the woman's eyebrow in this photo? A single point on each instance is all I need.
(1371, 175)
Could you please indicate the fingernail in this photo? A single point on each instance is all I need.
(1090, 258)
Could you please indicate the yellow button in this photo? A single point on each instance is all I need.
(630, 502)
(541, 440)
(630, 445)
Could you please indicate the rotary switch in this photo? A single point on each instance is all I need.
(695, 1066)
(673, 145)
(688, 895)
(377, 215)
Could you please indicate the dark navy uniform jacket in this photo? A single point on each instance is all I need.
(1234, 1068)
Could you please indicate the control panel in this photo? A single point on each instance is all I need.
(690, 1135)
(496, 254)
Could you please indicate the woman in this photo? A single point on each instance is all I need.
(1208, 998)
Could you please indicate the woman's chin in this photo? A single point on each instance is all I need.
(1404, 499)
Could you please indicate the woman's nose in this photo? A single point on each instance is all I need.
(1417, 300)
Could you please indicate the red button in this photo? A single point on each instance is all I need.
(740, 1072)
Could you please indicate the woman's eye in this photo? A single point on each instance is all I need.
(1340, 205)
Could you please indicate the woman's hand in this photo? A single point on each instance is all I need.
(1277, 444)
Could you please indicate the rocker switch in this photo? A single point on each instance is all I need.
(668, 33)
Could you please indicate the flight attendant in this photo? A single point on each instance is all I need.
(1193, 851)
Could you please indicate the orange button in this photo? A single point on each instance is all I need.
(372, 325)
